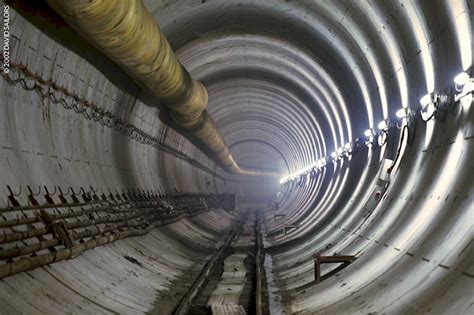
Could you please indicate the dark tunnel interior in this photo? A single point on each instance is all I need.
(348, 125)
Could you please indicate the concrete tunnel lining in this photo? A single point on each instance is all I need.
(302, 77)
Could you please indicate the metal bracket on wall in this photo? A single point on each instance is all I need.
(318, 260)
(278, 215)
(11, 197)
(290, 227)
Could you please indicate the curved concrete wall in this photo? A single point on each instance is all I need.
(132, 276)
(289, 82)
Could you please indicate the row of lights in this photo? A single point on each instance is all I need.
(429, 106)
(316, 166)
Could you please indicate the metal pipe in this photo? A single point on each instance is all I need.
(127, 33)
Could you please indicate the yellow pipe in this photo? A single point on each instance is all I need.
(127, 33)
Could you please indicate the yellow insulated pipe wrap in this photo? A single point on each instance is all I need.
(127, 33)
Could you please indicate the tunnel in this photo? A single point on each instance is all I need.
(339, 178)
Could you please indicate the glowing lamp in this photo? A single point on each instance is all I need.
(462, 79)
(383, 125)
(426, 100)
(401, 113)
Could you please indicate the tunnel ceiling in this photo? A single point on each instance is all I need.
(292, 81)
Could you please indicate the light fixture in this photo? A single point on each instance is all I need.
(368, 133)
(334, 155)
(428, 106)
(310, 169)
(322, 162)
(427, 100)
(402, 113)
(369, 137)
(340, 151)
(462, 79)
(383, 125)
(464, 85)
(347, 149)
